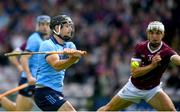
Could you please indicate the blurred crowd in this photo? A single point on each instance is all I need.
(107, 29)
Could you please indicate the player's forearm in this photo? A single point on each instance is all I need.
(14, 60)
(16, 63)
(64, 64)
(25, 65)
(142, 70)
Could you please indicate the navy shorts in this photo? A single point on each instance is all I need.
(48, 99)
(28, 91)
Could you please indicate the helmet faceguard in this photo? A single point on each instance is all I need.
(61, 20)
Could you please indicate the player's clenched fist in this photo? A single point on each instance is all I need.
(156, 59)
(74, 53)
(79, 53)
(69, 51)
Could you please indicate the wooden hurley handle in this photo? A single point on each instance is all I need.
(32, 53)
(14, 90)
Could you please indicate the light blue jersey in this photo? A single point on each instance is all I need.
(47, 76)
(33, 44)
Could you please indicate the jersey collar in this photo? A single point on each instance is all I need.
(55, 41)
(40, 34)
(153, 51)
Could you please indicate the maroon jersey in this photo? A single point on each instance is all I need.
(23, 46)
(143, 52)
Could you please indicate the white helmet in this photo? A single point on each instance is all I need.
(156, 25)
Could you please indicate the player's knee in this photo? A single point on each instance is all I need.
(170, 108)
(101, 109)
(166, 108)
(104, 108)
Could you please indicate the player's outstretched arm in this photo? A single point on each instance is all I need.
(16, 63)
(59, 64)
(25, 64)
(175, 59)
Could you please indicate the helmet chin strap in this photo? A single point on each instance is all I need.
(57, 33)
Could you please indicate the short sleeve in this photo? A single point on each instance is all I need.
(167, 53)
(71, 45)
(136, 53)
(33, 43)
(46, 47)
(172, 52)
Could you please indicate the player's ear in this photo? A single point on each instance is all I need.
(163, 34)
(57, 28)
